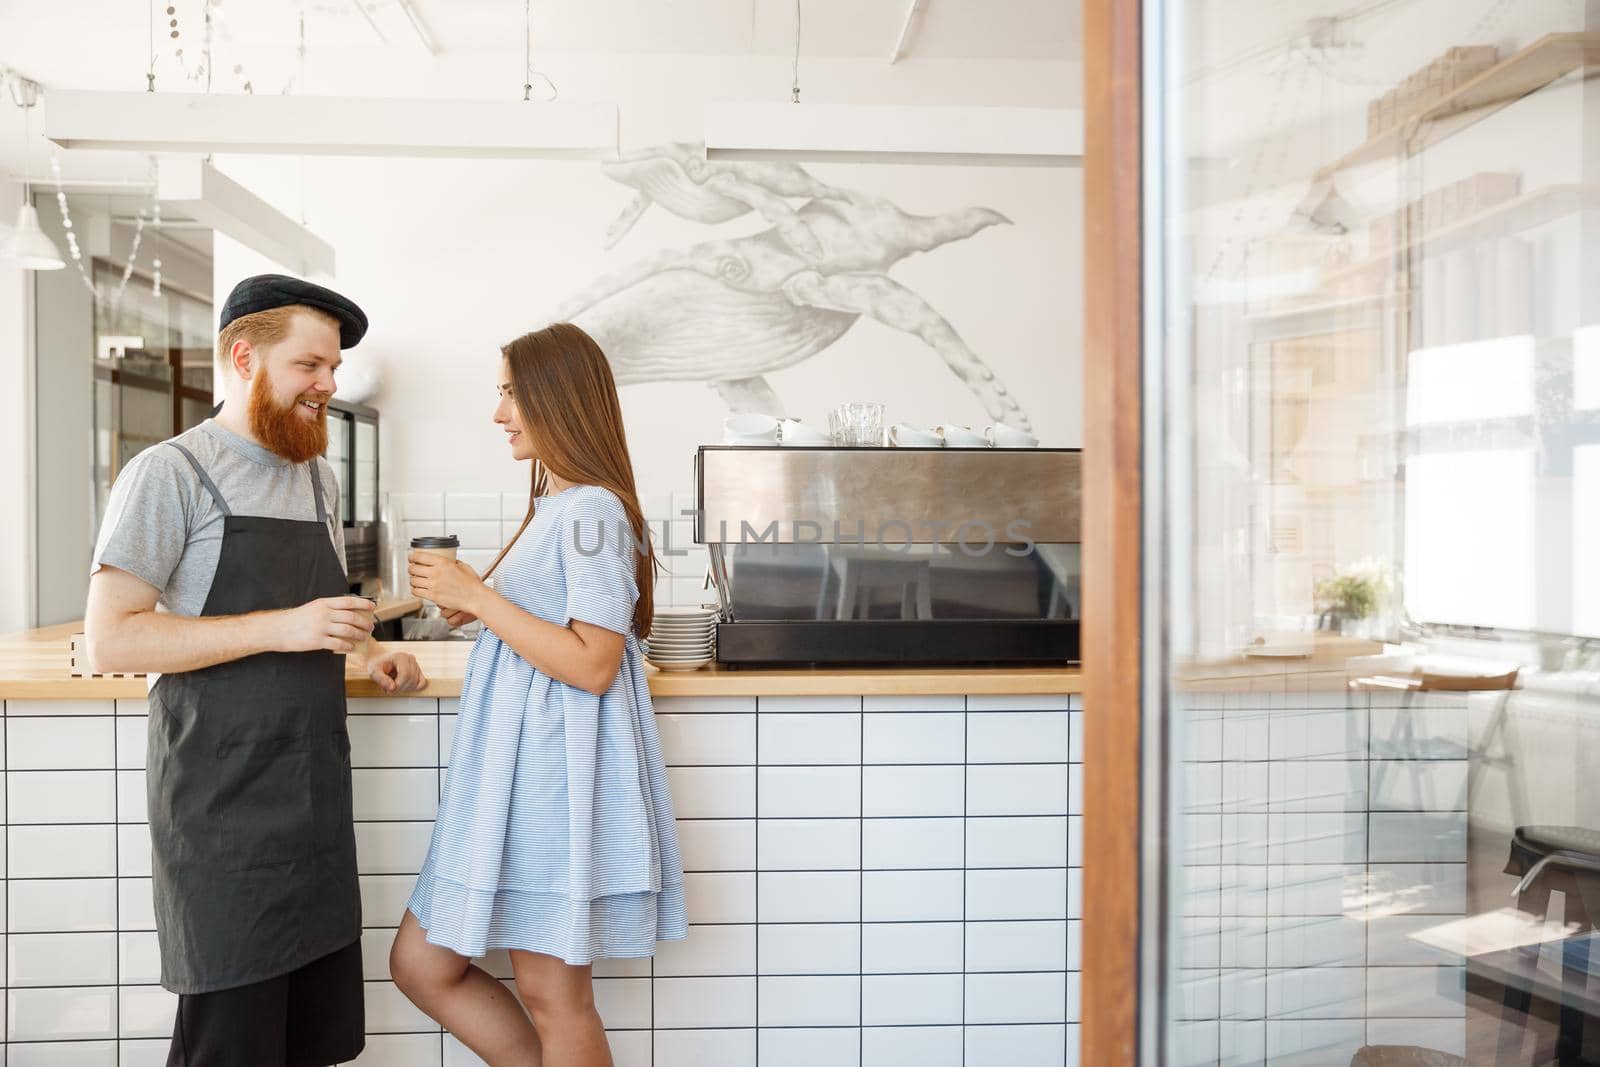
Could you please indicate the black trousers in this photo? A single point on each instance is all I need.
(311, 1017)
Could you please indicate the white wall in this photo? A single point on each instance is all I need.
(451, 259)
(16, 436)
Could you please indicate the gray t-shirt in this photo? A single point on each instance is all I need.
(163, 526)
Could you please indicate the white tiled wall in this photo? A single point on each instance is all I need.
(486, 521)
(871, 881)
(1320, 832)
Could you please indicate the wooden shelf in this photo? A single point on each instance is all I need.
(1536, 66)
(1520, 213)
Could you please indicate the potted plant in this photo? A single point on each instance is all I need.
(1353, 595)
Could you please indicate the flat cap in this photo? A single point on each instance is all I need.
(263, 292)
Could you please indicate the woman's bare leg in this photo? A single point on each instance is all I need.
(466, 1000)
(560, 998)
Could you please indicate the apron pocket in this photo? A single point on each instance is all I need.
(331, 791)
(263, 801)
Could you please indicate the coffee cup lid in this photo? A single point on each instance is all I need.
(447, 541)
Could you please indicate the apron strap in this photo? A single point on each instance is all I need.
(205, 479)
(316, 491)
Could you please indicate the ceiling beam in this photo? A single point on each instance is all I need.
(903, 42)
(419, 27)
(191, 187)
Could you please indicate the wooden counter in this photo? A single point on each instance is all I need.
(35, 665)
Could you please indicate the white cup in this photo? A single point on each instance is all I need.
(796, 432)
(904, 435)
(1000, 435)
(961, 436)
(735, 439)
(750, 426)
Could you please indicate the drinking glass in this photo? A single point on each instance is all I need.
(857, 423)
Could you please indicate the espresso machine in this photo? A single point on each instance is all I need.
(872, 556)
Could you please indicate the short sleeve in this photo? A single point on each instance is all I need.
(599, 555)
(332, 501)
(146, 525)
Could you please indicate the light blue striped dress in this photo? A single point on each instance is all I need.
(555, 831)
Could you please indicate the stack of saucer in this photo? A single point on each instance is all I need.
(682, 638)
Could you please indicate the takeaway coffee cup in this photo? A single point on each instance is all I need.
(445, 546)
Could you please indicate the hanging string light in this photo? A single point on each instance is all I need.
(114, 301)
(528, 73)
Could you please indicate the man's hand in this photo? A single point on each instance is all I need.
(396, 672)
(338, 624)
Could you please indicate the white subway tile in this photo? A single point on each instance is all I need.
(808, 792)
(624, 1003)
(1017, 737)
(793, 704)
(713, 792)
(1033, 841)
(810, 948)
(414, 529)
(1312, 1042)
(375, 945)
(61, 744)
(61, 959)
(1074, 944)
(400, 1050)
(1316, 889)
(810, 1001)
(1418, 837)
(901, 791)
(428, 706)
(383, 898)
(389, 1011)
(906, 947)
(394, 740)
(810, 896)
(133, 734)
(1018, 701)
(1399, 940)
(136, 906)
(1075, 741)
(1423, 888)
(925, 1046)
(1318, 785)
(923, 896)
(1200, 786)
(717, 844)
(392, 848)
(1242, 941)
(64, 1014)
(16, 709)
(1199, 941)
(914, 703)
(1443, 1035)
(1317, 993)
(705, 1002)
(1017, 946)
(619, 968)
(911, 843)
(808, 844)
(396, 793)
(1317, 837)
(132, 800)
(1419, 785)
(1419, 733)
(1246, 732)
(701, 1048)
(447, 736)
(479, 536)
(707, 740)
(459, 507)
(720, 898)
(67, 905)
(911, 999)
(60, 797)
(1246, 787)
(61, 851)
(800, 738)
(1415, 992)
(1074, 898)
(1316, 941)
(147, 1011)
(1017, 1046)
(513, 505)
(1336, 733)
(914, 737)
(147, 1052)
(801, 1047)
(418, 505)
(708, 950)
(1021, 894)
(139, 958)
(1075, 789)
(1014, 790)
(1242, 1042)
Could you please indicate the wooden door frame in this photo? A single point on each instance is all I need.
(1112, 534)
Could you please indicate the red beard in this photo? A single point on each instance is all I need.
(281, 428)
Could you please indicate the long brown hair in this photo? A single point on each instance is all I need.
(567, 399)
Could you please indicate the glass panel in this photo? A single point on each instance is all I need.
(366, 472)
(1376, 299)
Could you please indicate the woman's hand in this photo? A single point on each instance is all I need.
(451, 584)
(459, 618)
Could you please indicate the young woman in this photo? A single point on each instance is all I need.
(555, 836)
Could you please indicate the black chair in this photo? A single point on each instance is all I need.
(1564, 859)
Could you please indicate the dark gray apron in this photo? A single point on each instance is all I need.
(249, 777)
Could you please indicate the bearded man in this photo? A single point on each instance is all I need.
(219, 572)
